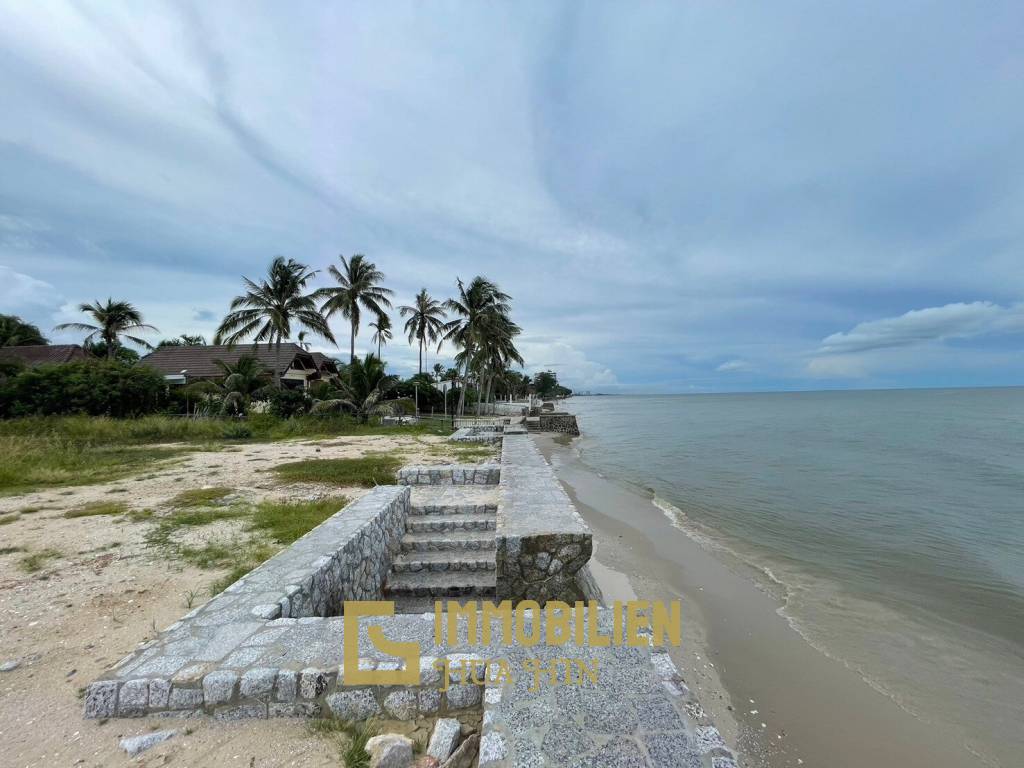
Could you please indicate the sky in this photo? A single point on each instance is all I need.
(680, 197)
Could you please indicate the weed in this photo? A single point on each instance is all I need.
(287, 522)
(190, 598)
(8, 519)
(366, 471)
(354, 754)
(30, 510)
(10, 550)
(35, 562)
(140, 515)
(97, 508)
(200, 497)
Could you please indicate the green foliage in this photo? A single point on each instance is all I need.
(286, 403)
(430, 397)
(200, 497)
(34, 562)
(237, 430)
(287, 522)
(113, 320)
(366, 471)
(15, 332)
(545, 384)
(357, 288)
(121, 353)
(97, 388)
(353, 738)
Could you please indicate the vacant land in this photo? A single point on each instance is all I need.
(89, 571)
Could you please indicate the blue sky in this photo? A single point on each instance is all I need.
(679, 197)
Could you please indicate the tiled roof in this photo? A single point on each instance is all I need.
(42, 354)
(323, 361)
(200, 361)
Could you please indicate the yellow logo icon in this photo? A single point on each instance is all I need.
(408, 652)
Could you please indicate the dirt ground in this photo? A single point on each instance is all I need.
(108, 591)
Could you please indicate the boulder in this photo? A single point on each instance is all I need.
(390, 750)
(135, 745)
(465, 755)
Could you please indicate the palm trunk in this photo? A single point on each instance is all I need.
(277, 361)
(352, 342)
(421, 356)
(378, 347)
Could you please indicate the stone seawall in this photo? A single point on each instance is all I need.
(468, 474)
(542, 544)
(565, 423)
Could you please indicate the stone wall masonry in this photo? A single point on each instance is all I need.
(453, 474)
(542, 545)
(564, 423)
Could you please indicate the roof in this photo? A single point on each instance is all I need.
(201, 361)
(324, 362)
(42, 354)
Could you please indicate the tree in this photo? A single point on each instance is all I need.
(426, 321)
(242, 379)
(381, 332)
(544, 383)
(15, 332)
(438, 371)
(365, 384)
(101, 350)
(268, 309)
(480, 309)
(357, 289)
(184, 341)
(113, 320)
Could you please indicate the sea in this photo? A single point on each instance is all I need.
(889, 524)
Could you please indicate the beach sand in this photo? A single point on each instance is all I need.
(773, 696)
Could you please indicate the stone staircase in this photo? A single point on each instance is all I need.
(447, 550)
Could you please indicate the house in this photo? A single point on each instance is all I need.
(43, 354)
(327, 366)
(184, 365)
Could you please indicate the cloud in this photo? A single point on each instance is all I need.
(23, 293)
(572, 365)
(922, 326)
(204, 315)
(734, 366)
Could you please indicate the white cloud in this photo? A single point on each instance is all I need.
(573, 367)
(920, 326)
(23, 293)
(734, 366)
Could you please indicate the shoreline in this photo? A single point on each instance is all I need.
(779, 700)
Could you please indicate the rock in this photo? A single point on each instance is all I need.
(445, 738)
(9, 666)
(426, 761)
(135, 745)
(465, 755)
(390, 750)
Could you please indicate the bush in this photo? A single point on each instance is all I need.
(237, 431)
(286, 403)
(429, 395)
(404, 406)
(95, 388)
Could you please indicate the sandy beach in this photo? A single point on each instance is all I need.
(778, 699)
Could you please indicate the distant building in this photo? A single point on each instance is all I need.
(43, 354)
(297, 367)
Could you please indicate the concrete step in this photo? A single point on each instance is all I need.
(479, 584)
(452, 541)
(420, 510)
(426, 604)
(472, 521)
(444, 562)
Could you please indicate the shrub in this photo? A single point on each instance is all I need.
(404, 406)
(285, 403)
(96, 388)
(237, 431)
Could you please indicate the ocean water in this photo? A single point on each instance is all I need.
(890, 525)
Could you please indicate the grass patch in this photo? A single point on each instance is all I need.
(34, 563)
(285, 522)
(200, 497)
(352, 737)
(98, 508)
(366, 471)
(140, 515)
(10, 550)
(8, 519)
(30, 510)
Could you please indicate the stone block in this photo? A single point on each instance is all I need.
(445, 738)
(356, 705)
(257, 683)
(159, 693)
(219, 687)
(101, 699)
(132, 698)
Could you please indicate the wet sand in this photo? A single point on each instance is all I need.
(781, 702)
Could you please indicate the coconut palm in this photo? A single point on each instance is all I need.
(267, 310)
(113, 320)
(365, 384)
(438, 372)
(357, 289)
(184, 341)
(477, 309)
(244, 378)
(381, 331)
(426, 321)
(15, 332)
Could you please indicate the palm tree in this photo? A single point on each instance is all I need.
(301, 337)
(184, 341)
(426, 321)
(478, 310)
(438, 371)
(357, 287)
(267, 310)
(381, 332)
(113, 320)
(15, 332)
(365, 383)
(242, 379)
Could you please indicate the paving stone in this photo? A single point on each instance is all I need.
(185, 698)
(132, 698)
(159, 693)
(241, 712)
(101, 699)
(493, 748)
(672, 750)
(136, 745)
(257, 682)
(708, 737)
(444, 738)
(358, 704)
(565, 740)
(219, 687)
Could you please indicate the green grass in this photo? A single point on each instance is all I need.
(8, 519)
(352, 738)
(97, 508)
(285, 523)
(10, 550)
(34, 563)
(200, 497)
(30, 510)
(55, 451)
(366, 471)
